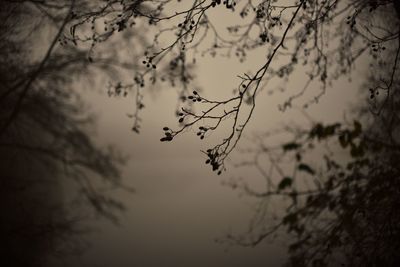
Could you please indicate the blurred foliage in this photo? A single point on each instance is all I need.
(54, 176)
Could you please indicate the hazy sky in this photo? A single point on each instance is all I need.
(180, 206)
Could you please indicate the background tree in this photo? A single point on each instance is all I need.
(339, 210)
(45, 138)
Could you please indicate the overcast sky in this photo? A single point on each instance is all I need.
(180, 206)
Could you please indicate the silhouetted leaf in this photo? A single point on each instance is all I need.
(343, 140)
(357, 129)
(285, 182)
(290, 146)
(357, 151)
(290, 218)
(317, 131)
(304, 167)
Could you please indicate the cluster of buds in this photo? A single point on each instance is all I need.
(213, 160)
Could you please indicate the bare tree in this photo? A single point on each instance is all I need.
(339, 208)
(323, 39)
(44, 138)
(337, 215)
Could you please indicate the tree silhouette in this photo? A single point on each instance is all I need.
(348, 213)
(323, 40)
(339, 210)
(44, 138)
